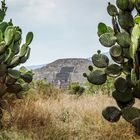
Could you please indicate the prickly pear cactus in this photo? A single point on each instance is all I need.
(123, 41)
(12, 81)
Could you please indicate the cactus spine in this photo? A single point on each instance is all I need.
(12, 81)
(123, 39)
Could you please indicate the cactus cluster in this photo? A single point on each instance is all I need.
(12, 81)
(123, 40)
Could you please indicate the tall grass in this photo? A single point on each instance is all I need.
(62, 116)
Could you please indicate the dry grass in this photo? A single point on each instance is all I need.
(67, 117)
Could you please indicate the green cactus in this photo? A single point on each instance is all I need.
(100, 60)
(123, 39)
(124, 42)
(112, 10)
(107, 39)
(120, 85)
(111, 114)
(116, 51)
(12, 81)
(130, 113)
(97, 77)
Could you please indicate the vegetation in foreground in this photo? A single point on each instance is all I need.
(47, 113)
(12, 54)
(123, 40)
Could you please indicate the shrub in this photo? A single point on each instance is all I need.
(76, 88)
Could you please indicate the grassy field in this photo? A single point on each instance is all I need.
(51, 114)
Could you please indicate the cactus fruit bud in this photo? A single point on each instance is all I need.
(90, 68)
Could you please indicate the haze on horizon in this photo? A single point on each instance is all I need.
(62, 28)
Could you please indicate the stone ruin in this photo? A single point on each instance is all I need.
(63, 78)
(62, 72)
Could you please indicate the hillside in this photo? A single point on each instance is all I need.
(64, 70)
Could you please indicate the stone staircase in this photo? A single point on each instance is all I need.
(62, 72)
(63, 77)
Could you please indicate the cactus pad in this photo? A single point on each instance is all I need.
(123, 97)
(113, 70)
(107, 39)
(126, 104)
(122, 4)
(123, 39)
(126, 20)
(27, 77)
(112, 10)
(136, 91)
(126, 53)
(137, 5)
(121, 85)
(14, 73)
(116, 51)
(118, 60)
(100, 60)
(136, 124)
(29, 38)
(111, 114)
(16, 88)
(127, 67)
(10, 80)
(97, 77)
(102, 28)
(130, 113)
(3, 26)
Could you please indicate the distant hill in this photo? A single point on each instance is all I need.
(35, 66)
(64, 70)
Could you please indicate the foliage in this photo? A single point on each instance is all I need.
(76, 88)
(63, 118)
(105, 88)
(12, 81)
(43, 88)
(123, 41)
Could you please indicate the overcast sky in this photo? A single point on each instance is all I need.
(62, 28)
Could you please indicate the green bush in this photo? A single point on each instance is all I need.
(76, 88)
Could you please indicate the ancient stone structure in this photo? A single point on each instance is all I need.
(63, 78)
(64, 71)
